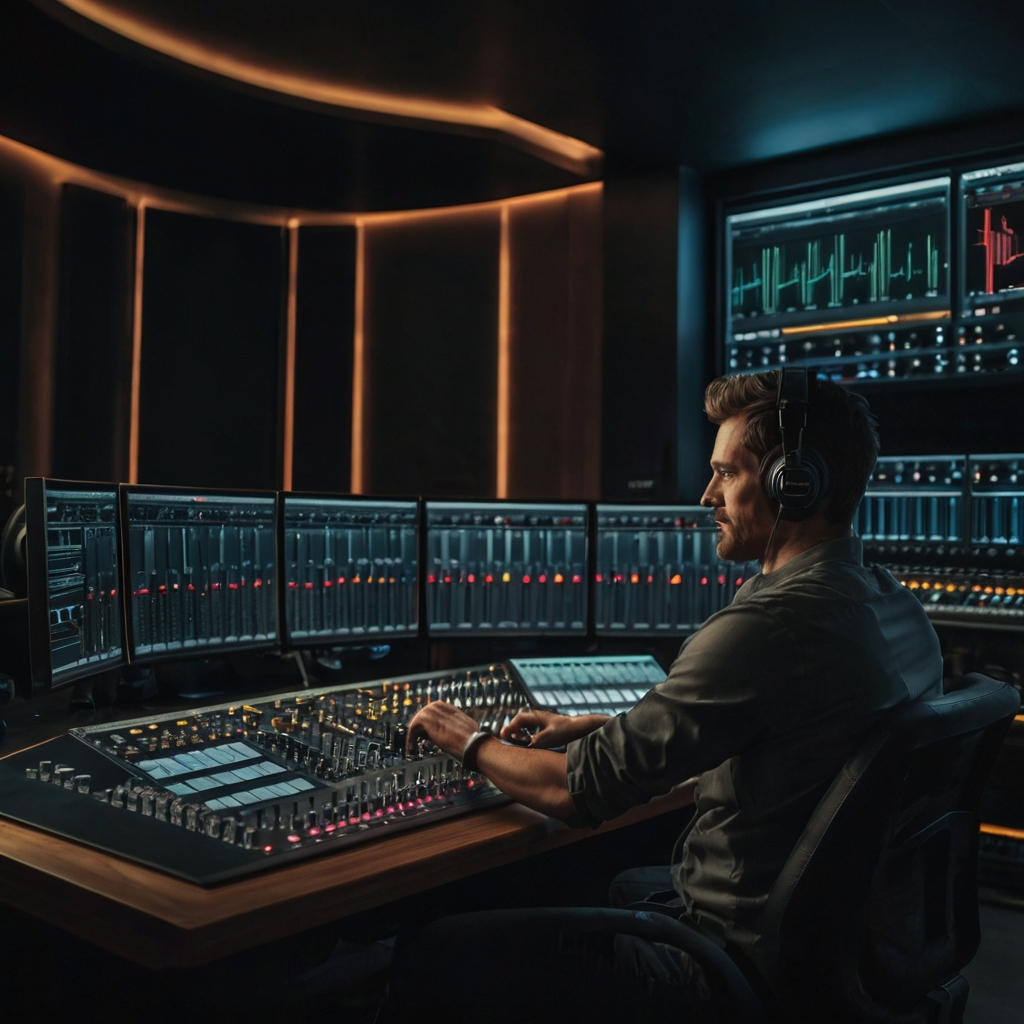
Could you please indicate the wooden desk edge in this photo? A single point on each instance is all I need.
(159, 921)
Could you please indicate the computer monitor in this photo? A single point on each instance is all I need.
(992, 295)
(854, 286)
(200, 571)
(657, 571)
(74, 583)
(997, 501)
(506, 568)
(914, 498)
(350, 568)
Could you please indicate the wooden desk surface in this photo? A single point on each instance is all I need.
(159, 921)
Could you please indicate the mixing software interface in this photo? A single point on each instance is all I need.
(201, 571)
(506, 568)
(350, 568)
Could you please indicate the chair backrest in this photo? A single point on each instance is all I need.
(878, 905)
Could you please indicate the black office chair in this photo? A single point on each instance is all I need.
(871, 920)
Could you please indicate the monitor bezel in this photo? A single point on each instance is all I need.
(320, 642)
(474, 634)
(40, 654)
(219, 650)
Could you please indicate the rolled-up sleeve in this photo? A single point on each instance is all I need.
(720, 694)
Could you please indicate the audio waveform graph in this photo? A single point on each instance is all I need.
(824, 273)
(1001, 249)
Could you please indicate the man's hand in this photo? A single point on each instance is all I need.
(443, 723)
(535, 778)
(553, 729)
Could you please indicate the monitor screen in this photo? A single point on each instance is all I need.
(506, 567)
(657, 570)
(350, 568)
(200, 569)
(75, 620)
(997, 500)
(855, 286)
(992, 219)
(914, 498)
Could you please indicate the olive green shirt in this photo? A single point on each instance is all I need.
(765, 702)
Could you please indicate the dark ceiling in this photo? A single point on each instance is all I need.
(654, 85)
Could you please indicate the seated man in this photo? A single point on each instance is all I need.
(767, 700)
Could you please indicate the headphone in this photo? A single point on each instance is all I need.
(794, 478)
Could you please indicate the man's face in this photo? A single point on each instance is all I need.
(742, 511)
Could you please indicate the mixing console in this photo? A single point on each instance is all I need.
(296, 774)
(201, 570)
(590, 685)
(351, 568)
(506, 568)
(657, 571)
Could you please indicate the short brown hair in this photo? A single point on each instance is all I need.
(840, 427)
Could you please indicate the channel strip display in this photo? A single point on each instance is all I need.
(658, 570)
(495, 567)
(202, 572)
(82, 581)
(351, 568)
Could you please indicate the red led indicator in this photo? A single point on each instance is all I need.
(471, 578)
(314, 831)
(703, 581)
(721, 581)
(526, 579)
(330, 827)
(234, 586)
(599, 578)
(257, 583)
(144, 592)
(542, 578)
(328, 583)
(309, 586)
(292, 585)
(488, 579)
(294, 839)
(577, 579)
(739, 581)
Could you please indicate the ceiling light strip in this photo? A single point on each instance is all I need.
(561, 150)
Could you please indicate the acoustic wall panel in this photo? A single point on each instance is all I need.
(11, 227)
(92, 371)
(212, 343)
(325, 324)
(431, 326)
(555, 346)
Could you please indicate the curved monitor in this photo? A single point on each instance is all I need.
(200, 569)
(74, 595)
(350, 568)
(506, 568)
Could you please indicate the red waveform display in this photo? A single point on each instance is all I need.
(1001, 245)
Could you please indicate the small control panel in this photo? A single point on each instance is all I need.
(588, 686)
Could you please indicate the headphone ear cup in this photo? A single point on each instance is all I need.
(772, 465)
(797, 491)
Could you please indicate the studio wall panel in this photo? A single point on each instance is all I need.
(92, 372)
(430, 327)
(640, 365)
(11, 241)
(555, 346)
(325, 325)
(212, 345)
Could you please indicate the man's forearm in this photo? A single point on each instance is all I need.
(535, 778)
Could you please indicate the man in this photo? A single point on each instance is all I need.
(767, 700)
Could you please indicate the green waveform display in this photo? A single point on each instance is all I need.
(836, 270)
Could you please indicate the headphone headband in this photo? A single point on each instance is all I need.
(794, 478)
